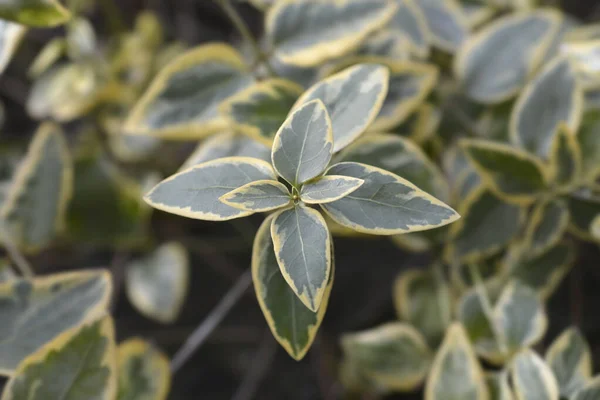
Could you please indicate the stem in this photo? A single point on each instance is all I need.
(16, 256)
(214, 318)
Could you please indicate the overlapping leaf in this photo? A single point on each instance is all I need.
(38, 13)
(585, 55)
(498, 386)
(584, 206)
(258, 196)
(590, 392)
(329, 188)
(532, 378)
(10, 37)
(410, 21)
(547, 223)
(446, 23)
(570, 359)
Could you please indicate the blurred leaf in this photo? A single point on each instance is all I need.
(570, 359)
(590, 392)
(446, 23)
(36, 13)
(546, 226)
(329, 188)
(532, 378)
(47, 57)
(10, 35)
(583, 207)
(498, 387)
(385, 43)
(585, 56)
(565, 159)
(410, 21)
(258, 196)
(477, 14)
(81, 39)
(588, 138)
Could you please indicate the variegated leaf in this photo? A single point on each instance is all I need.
(10, 37)
(195, 192)
(385, 204)
(498, 386)
(554, 97)
(410, 21)
(157, 284)
(258, 196)
(303, 146)
(565, 158)
(308, 32)
(546, 226)
(386, 43)
(584, 206)
(182, 102)
(353, 98)
(36, 311)
(292, 324)
(570, 359)
(532, 378)
(446, 23)
(261, 109)
(591, 391)
(329, 188)
(585, 56)
(477, 14)
(393, 355)
(48, 56)
(37, 13)
(588, 138)
(302, 248)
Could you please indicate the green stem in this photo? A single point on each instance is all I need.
(15, 254)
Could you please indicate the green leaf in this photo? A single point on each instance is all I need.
(35, 205)
(293, 325)
(487, 225)
(182, 102)
(532, 378)
(595, 228)
(412, 24)
(546, 226)
(195, 192)
(143, 371)
(498, 387)
(482, 63)
(401, 157)
(422, 298)
(446, 23)
(353, 98)
(10, 37)
(565, 158)
(393, 355)
(570, 359)
(554, 97)
(258, 196)
(583, 207)
(306, 33)
(262, 108)
(36, 13)
(385, 204)
(456, 374)
(302, 247)
(512, 174)
(590, 392)
(157, 284)
(227, 144)
(35, 311)
(329, 188)
(588, 138)
(303, 145)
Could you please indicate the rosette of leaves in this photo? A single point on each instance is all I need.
(298, 185)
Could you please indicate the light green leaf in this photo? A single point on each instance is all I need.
(498, 387)
(401, 157)
(583, 207)
(35, 311)
(385, 204)
(588, 138)
(512, 174)
(393, 355)
(422, 298)
(227, 144)
(303, 145)
(446, 23)
(35, 205)
(546, 226)
(329, 188)
(490, 71)
(590, 392)
(143, 371)
(353, 98)
(182, 102)
(10, 37)
(157, 284)
(262, 108)
(410, 21)
(554, 97)
(487, 225)
(308, 32)
(565, 158)
(195, 192)
(532, 378)
(302, 247)
(570, 359)
(292, 324)
(36, 13)
(258, 196)
(456, 374)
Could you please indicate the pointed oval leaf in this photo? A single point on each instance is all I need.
(511, 173)
(565, 158)
(10, 37)
(36, 311)
(303, 146)
(353, 98)
(546, 226)
(292, 324)
(302, 247)
(570, 359)
(446, 23)
(498, 386)
(328, 189)
(490, 71)
(35, 206)
(227, 144)
(258, 196)
(532, 378)
(456, 373)
(195, 192)
(590, 392)
(386, 204)
(554, 97)
(182, 102)
(393, 355)
(143, 371)
(158, 283)
(588, 138)
(308, 32)
(36, 13)
(410, 21)
(262, 108)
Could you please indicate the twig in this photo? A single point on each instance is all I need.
(15, 254)
(213, 319)
(255, 374)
